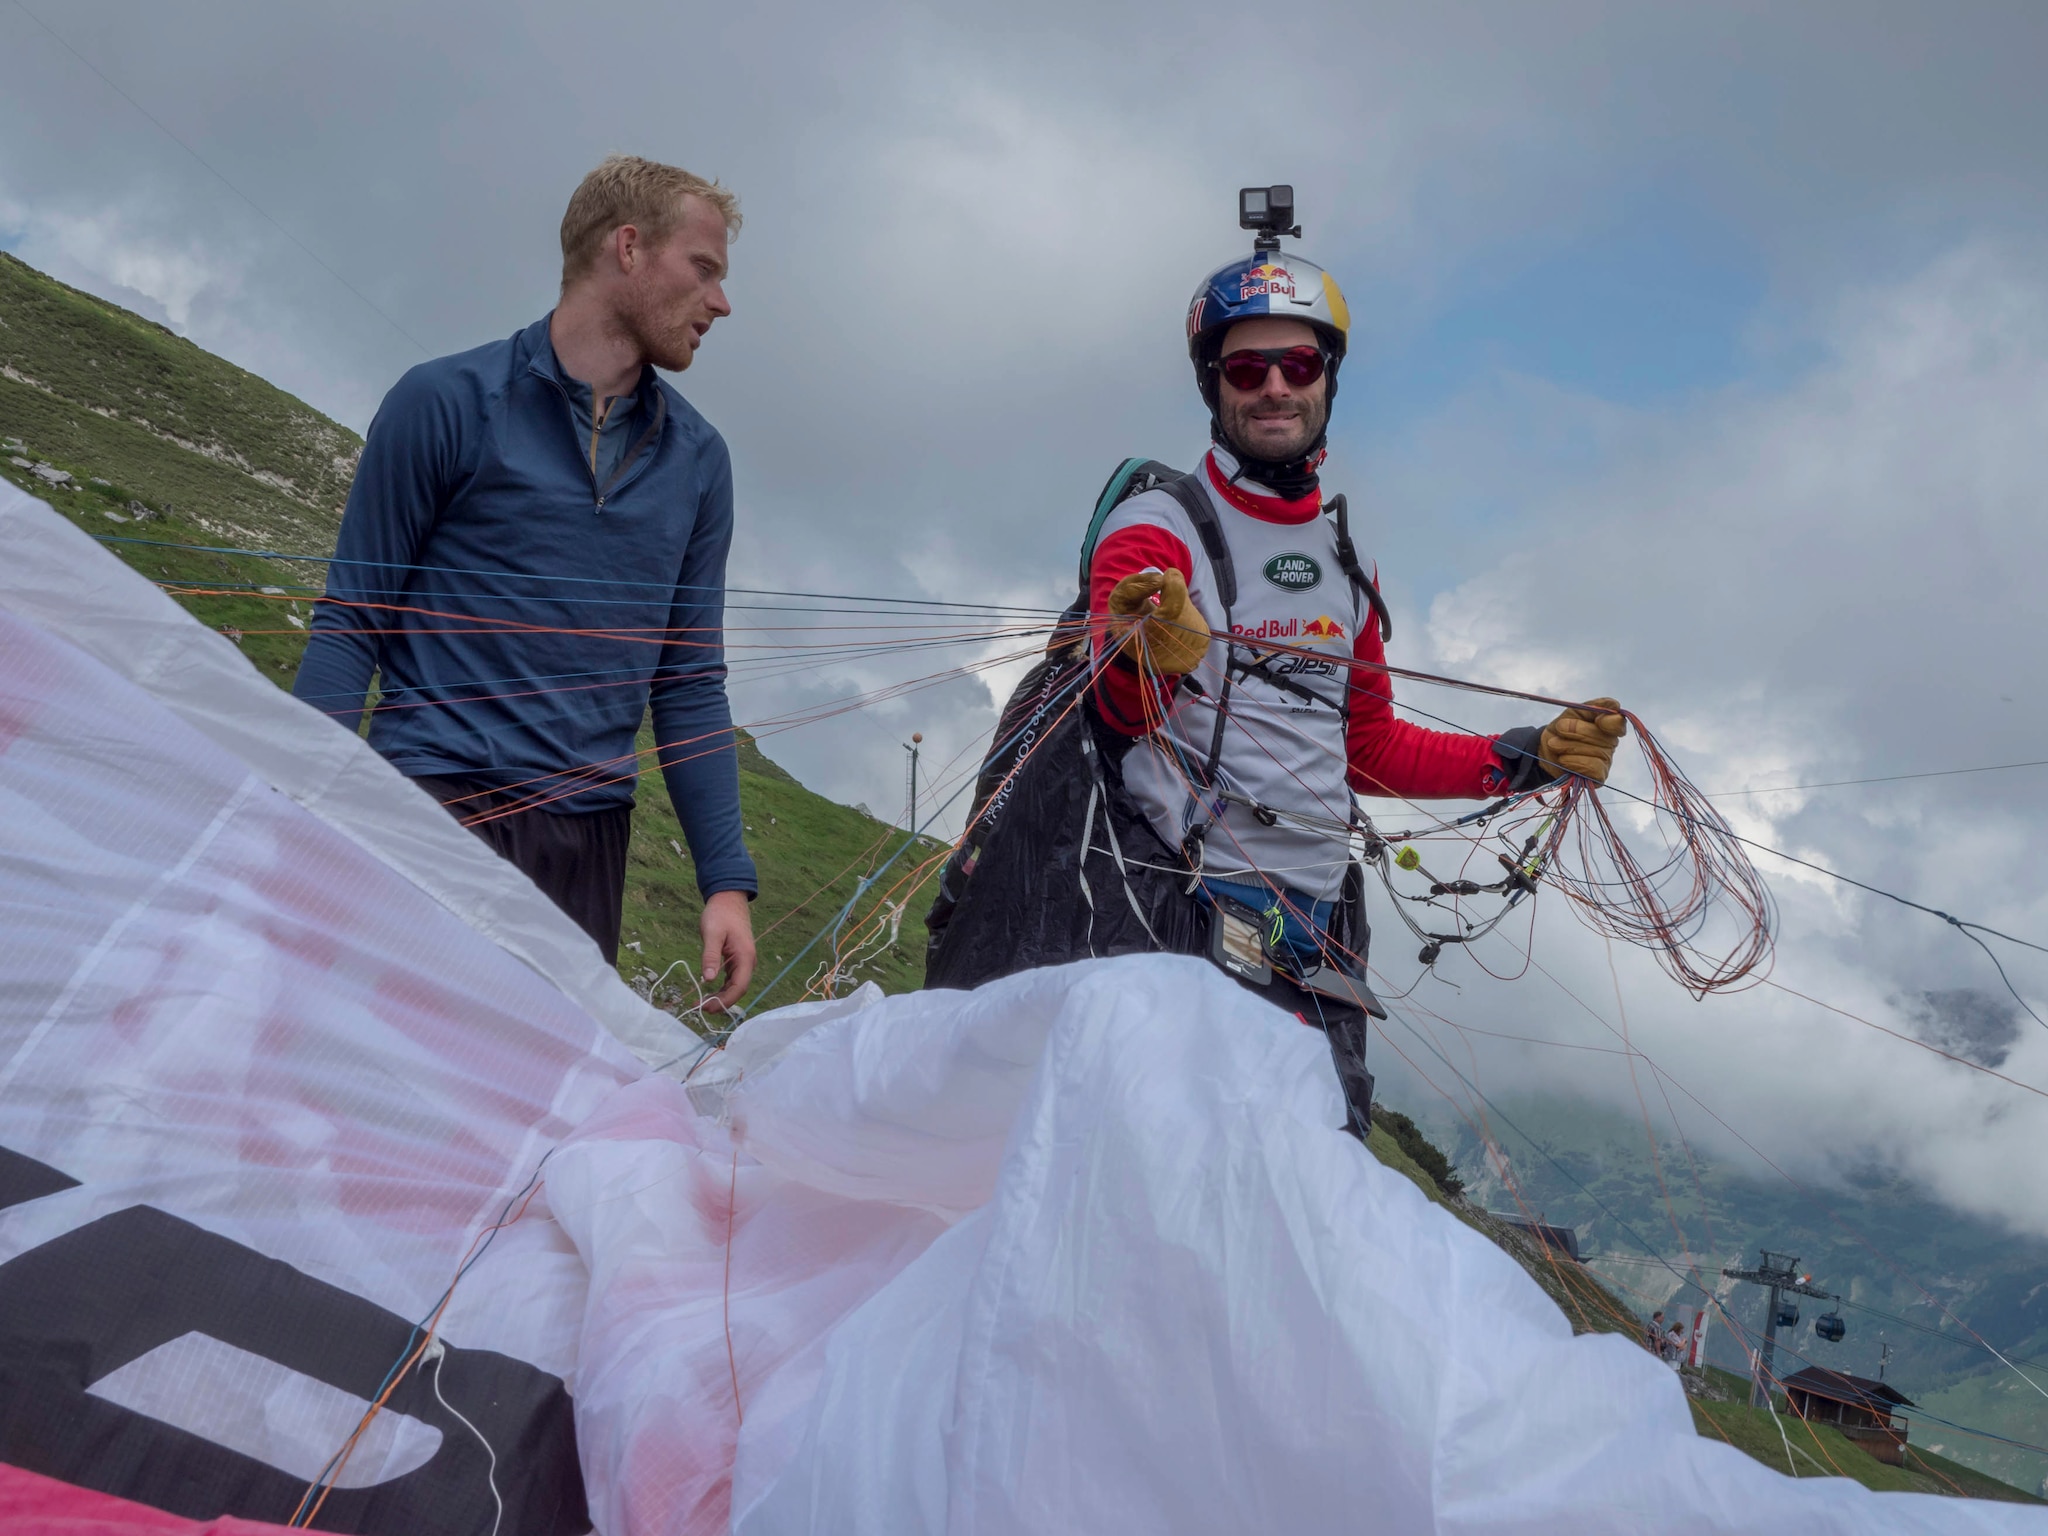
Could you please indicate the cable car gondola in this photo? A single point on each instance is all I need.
(1829, 1326)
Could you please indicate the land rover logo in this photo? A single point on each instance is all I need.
(1295, 573)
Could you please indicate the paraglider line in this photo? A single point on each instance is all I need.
(732, 1192)
(438, 1353)
(479, 1245)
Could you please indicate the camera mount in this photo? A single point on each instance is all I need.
(1268, 211)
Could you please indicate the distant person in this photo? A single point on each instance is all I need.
(1674, 1346)
(533, 553)
(1653, 1333)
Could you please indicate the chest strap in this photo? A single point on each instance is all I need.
(1201, 512)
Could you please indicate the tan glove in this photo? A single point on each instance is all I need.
(1167, 638)
(1582, 741)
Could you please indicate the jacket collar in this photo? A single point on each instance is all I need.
(537, 347)
(1254, 499)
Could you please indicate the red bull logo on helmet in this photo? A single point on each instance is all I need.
(1267, 278)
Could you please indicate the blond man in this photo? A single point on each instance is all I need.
(533, 556)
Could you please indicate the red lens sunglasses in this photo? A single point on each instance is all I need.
(1247, 370)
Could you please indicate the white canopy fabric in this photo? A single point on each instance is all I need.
(1085, 1250)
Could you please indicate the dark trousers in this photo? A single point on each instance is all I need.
(579, 860)
(1346, 1029)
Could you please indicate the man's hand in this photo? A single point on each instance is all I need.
(728, 929)
(1176, 641)
(1582, 741)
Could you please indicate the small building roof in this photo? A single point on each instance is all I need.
(1564, 1240)
(1840, 1387)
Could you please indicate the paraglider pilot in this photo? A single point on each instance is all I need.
(1203, 803)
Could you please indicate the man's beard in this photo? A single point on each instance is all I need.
(1237, 417)
(665, 341)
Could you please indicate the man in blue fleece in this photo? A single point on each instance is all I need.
(534, 553)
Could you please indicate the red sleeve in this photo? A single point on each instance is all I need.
(1390, 756)
(1120, 687)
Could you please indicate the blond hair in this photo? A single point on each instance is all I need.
(626, 189)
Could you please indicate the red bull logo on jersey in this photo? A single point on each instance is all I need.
(1268, 629)
(1321, 627)
(1266, 278)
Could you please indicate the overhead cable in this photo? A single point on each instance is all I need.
(1889, 778)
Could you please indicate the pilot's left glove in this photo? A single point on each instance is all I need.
(1583, 740)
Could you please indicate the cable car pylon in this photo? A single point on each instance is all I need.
(1780, 1272)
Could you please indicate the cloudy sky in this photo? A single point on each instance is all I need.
(1702, 359)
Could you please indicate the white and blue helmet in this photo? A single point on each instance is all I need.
(1265, 283)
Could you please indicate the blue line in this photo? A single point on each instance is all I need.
(1922, 1413)
(359, 595)
(456, 570)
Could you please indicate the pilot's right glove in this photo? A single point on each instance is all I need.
(1167, 638)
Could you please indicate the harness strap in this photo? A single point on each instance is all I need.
(1096, 796)
(1347, 557)
(1116, 852)
(1201, 512)
(1209, 529)
(1081, 864)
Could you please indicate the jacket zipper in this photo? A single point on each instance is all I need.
(628, 466)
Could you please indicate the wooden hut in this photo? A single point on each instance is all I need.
(1865, 1411)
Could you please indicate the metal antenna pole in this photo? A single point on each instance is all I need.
(1766, 1355)
(911, 746)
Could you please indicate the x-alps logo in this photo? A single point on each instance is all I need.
(1294, 572)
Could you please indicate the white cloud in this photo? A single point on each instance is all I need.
(1833, 580)
(112, 252)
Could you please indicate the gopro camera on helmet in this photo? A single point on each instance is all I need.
(1270, 212)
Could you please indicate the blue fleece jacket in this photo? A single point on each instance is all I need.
(524, 616)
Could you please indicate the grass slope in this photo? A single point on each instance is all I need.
(813, 856)
(84, 379)
(1786, 1443)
